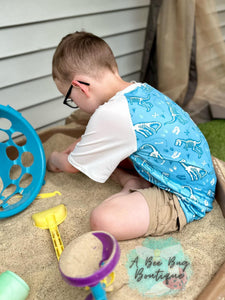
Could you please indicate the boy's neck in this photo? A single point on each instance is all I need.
(101, 89)
(110, 84)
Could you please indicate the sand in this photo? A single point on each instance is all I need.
(28, 250)
(81, 257)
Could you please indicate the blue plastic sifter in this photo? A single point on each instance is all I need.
(22, 165)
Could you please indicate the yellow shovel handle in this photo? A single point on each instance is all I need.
(48, 195)
(57, 242)
(41, 196)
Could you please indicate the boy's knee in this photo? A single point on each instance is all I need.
(101, 219)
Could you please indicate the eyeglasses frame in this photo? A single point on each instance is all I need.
(65, 101)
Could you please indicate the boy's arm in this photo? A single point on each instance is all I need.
(71, 147)
(58, 162)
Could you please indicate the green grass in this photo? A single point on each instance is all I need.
(214, 132)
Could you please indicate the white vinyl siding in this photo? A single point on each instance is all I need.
(220, 7)
(30, 31)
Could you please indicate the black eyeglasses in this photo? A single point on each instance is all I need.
(69, 102)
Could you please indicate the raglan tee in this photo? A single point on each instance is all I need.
(164, 144)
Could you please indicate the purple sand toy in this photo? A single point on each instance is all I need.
(109, 257)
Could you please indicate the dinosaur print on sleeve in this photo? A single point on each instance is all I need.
(176, 116)
(190, 144)
(195, 173)
(147, 129)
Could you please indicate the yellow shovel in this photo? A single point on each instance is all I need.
(50, 219)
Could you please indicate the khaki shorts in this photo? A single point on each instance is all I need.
(166, 214)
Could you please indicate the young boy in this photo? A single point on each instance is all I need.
(138, 137)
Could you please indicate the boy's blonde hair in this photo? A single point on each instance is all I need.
(82, 53)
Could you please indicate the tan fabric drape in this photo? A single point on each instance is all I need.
(175, 29)
(210, 63)
(190, 55)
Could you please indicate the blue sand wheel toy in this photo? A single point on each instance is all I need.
(22, 164)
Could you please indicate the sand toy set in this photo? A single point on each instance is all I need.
(22, 172)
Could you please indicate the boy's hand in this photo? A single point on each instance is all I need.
(51, 164)
(58, 162)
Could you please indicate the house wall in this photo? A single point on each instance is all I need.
(30, 31)
(220, 7)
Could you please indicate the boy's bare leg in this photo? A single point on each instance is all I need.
(129, 181)
(125, 214)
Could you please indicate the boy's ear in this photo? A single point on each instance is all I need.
(84, 88)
